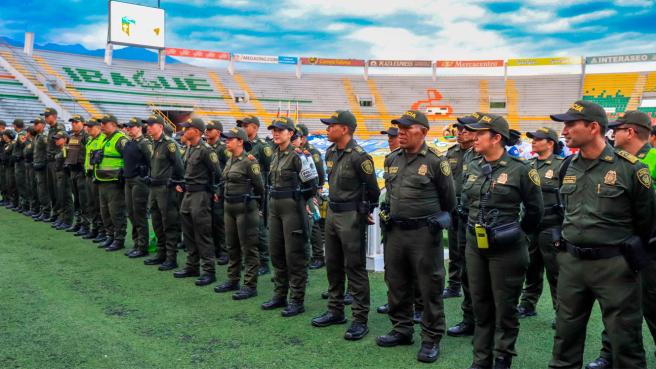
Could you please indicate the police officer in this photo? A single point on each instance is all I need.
(419, 197)
(261, 150)
(63, 183)
(137, 154)
(202, 176)
(631, 134)
(243, 191)
(3, 202)
(19, 165)
(75, 154)
(30, 179)
(609, 215)
(497, 248)
(40, 165)
(353, 190)
(454, 156)
(288, 220)
(165, 167)
(316, 226)
(111, 191)
(213, 135)
(466, 326)
(50, 117)
(542, 254)
(8, 168)
(94, 144)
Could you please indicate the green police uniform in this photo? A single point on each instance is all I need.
(111, 190)
(648, 274)
(202, 175)
(497, 246)
(19, 165)
(609, 210)
(243, 190)
(419, 191)
(165, 165)
(288, 221)
(32, 198)
(3, 126)
(261, 150)
(96, 225)
(8, 169)
(542, 254)
(218, 225)
(63, 184)
(50, 155)
(75, 156)
(353, 187)
(454, 156)
(40, 165)
(137, 154)
(316, 226)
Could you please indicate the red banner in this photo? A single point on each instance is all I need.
(189, 53)
(468, 63)
(400, 63)
(333, 62)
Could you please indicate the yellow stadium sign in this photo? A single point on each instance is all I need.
(531, 62)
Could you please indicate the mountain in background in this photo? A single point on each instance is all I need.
(129, 53)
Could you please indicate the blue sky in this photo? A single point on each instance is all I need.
(368, 29)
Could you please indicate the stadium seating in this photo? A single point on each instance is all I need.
(86, 85)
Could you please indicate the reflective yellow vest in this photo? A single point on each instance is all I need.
(112, 162)
(92, 144)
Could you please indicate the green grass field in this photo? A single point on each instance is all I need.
(67, 304)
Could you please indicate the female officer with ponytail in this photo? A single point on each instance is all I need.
(497, 187)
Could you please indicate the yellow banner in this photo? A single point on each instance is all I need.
(531, 62)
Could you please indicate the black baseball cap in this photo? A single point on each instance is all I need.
(283, 123)
(391, 131)
(108, 118)
(9, 133)
(238, 132)
(634, 117)
(583, 110)
(60, 134)
(134, 122)
(37, 121)
(194, 123)
(214, 124)
(470, 119)
(491, 122)
(545, 133)
(344, 117)
(302, 130)
(92, 123)
(153, 119)
(411, 117)
(248, 119)
(18, 123)
(49, 111)
(77, 118)
(4, 124)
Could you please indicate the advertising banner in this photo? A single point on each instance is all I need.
(532, 62)
(287, 60)
(468, 63)
(629, 58)
(333, 62)
(400, 63)
(204, 54)
(251, 58)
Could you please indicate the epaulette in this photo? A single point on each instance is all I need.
(434, 150)
(261, 141)
(206, 145)
(393, 151)
(358, 149)
(520, 159)
(627, 156)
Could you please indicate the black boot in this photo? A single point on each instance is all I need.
(205, 279)
(292, 309)
(428, 352)
(274, 303)
(115, 246)
(108, 242)
(328, 318)
(227, 286)
(394, 338)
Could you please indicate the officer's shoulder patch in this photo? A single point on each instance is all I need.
(644, 177)
(214, 158)
(267, 151)
(256, 169)
(367, 166)
(316, 157)
(434, 150)
(122, 142)
(171, 146)
(261, 141)
(534, 176)
(627, 156)
(445, 167)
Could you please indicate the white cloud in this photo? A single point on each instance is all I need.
(91, 36)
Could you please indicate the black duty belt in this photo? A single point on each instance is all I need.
(284, 194)
(409, 223)
(158, 182)
(235, 199)
(552, 210)
(89, 173)
(593, 253)
(341, 207)
(197, 188)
